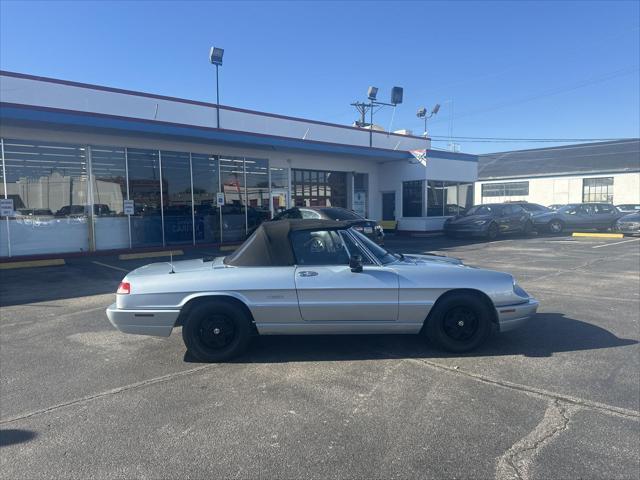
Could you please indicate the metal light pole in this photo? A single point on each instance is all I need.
(215, 57)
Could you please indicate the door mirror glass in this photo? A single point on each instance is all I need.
(355, 263)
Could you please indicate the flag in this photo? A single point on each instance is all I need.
(420, 155)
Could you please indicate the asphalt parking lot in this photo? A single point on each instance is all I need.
(559, 398)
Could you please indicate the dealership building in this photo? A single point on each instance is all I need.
(592, 172)
(88, 168)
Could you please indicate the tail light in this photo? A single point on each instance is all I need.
(124, 288)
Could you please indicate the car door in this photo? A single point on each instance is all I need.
(328, 291)
(605, 215)
(517, 218)
(503, 219)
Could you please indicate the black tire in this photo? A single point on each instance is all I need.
(555, 226)
(459, 323)
(216, 331)
(493, 231)
(528, 228)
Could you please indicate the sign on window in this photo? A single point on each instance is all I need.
(6, 207)
(129, 208)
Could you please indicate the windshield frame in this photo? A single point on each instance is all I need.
(381, 255)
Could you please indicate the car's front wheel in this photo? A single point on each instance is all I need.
(556, 226)
(459, 322)
(493, 231)
(216, 331)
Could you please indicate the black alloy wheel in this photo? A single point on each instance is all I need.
(216, 330)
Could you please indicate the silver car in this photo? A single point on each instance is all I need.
(299, 277)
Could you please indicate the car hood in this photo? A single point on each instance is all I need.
(180, 266)
(432, 258)
(545, 215)
(463, 220)
(632, 217)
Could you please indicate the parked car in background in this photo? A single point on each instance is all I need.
(598, 216)
(629, 224)
(370, 228)
(489, 221)
(301, 277)
(629, 208)
(532, 207)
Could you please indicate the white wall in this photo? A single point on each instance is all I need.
(566, 189)
(52, 94)
(393, 173)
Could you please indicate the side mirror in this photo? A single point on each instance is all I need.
(355, 263)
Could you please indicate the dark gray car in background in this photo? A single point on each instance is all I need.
(629, 224)
(589, 216)
(489, 221)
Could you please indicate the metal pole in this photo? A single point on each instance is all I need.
(217, 100)
(4, 181)
(221, 189)
(371, 126)
(193, 212)
(90, 214)
(126, 172)
(246, 196)
(161, 197)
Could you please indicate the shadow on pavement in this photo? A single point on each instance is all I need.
(12, 437)
(547, 334)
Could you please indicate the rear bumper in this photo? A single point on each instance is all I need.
(158, 323)
(511, 317)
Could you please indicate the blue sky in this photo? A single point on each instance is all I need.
(512, 69)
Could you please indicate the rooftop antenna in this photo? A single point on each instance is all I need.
(171, 261)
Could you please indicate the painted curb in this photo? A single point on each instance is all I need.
(32, 264)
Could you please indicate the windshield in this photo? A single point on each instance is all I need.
(383, 255)
(481, 210)
(340, 214)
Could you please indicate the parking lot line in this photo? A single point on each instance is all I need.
(32, 263)
(110, 266)
(617, 243)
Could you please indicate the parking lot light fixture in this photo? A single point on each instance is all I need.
(215, 57)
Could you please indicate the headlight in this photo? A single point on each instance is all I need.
(480, 222)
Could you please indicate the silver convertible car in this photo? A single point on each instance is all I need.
(299, 277)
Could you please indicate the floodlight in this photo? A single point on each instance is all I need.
(421, 112)
(372, 93)
(396, 95)
(436, 109)
(215, 55)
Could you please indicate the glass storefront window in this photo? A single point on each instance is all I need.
(465, 197)
(145, 191)
(361, 194)
(109, 189)
(205, 186)
(316, 188)
(279, 189)
(48, 183)
(176, 198)
(257, 177)
(234, 220)
(412, 198)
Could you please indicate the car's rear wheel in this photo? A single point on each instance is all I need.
(459, 322)
(556, 226)
(216, 331)
(492, 231)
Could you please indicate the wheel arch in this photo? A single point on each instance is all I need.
(198, 299)
(464, 291)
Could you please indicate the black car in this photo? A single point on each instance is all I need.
(489, 221)
(532, 208)
(370, 228)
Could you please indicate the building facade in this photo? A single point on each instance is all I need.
(595, 172)
(91, 168)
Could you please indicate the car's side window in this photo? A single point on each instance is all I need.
(319, 247)
(587, 210)
(517, 210)
(604, 209)
(309, 213)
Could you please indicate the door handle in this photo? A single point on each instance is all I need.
(307, 273)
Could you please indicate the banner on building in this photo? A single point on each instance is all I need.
(420, 155)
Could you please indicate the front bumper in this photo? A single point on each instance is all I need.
(628, 228)
(471, 230)
(158, 323)
(511, 317)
